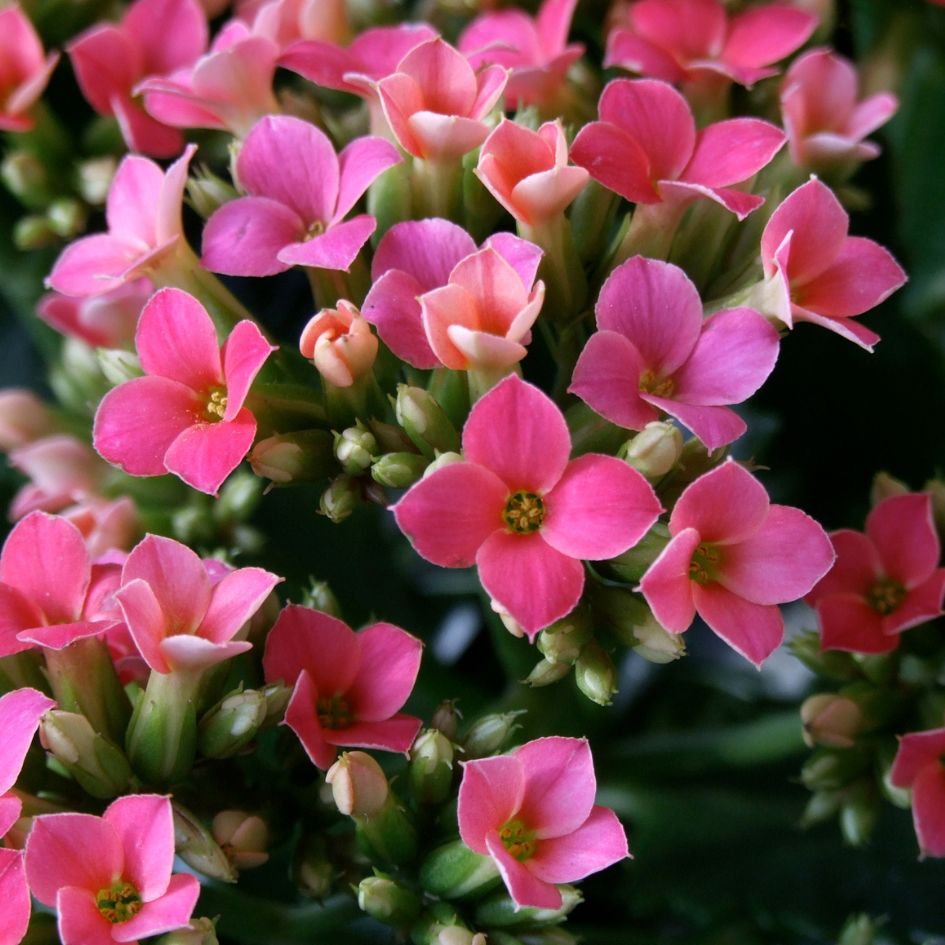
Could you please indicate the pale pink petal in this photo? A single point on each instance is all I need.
(598, 843)
(559, 785)
(244, 237)
(872, 113)
(106, 64)
(145, 830)
(171, 911)
(507, 37)
(715, 426)
(60, 635)
(490, 795)
(480, 350)
(525, 888)
(844, 327)
(169, 224)
(518, 433)
(378, 51)
(80, 922)
(554, 23)
(445, 76)
(903, 531)
(390, 661)
(206, 453)
(524, 257)
(732, 151)
(137, 422)
(763, 35)
(186, 653)
(725, 505)
(360, 164)
(496, 287)
(301, 715)
(667, 585)
(337, 248)
(145, 621)
(94, 264)
(20, 712)
(491, 82)
(921, 604)
(536, 584)
(450, 513)
(392, 307)
(170, 33)
(132, 198)
(599, 508)
(847, 622)
(427, 250)
(234, 600)
(14, 897)
(448, 307)
(917, 751)
(400, 98)
(636, 54)
(616, 160)
(172, 103)
(819, 91)
(320, 62)
(855, 570)
(540, 196)
(394, 734)
(753, 630)
(244, 353)
(445, 137)
(928, 809)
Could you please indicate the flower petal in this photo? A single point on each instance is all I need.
(525, 888)
(145, 830)
(732, 151)
(390, 661)
(301, 715)
(903, 531)
(559, 785)
(360, 164)
(145, 621)
(244, 353)
(921, 604)
(753, 630)
(847, 622)
(193, 654)
(206, 453)
(234, 600)
(715, 426)
(855, 570)
(426, 249)
(616, 160)
(169, 912)
(336, 248)
(244, 237)
(20, 712)
(598, 843)
(490, 794)
(667, 586)
(15, 896)
(80, 922)
(916, 751)
(94, 264)
(396, 733)
(392, 307)
(928, 809)
(763, 35)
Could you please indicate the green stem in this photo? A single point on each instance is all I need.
(437, 188)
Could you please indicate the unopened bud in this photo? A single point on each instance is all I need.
(196, 932)
(99, 766)
(596, 675)
(33, 231)
(243, 837)
(508, 621)
(207, 192)
(828, 769)
(459, 935)
(831, 720)
(320, 596)
(441, 461)
(859, 930)
(26, 178)
(195, 845)
(399, 470)
(94, 178)
(355, 448)
(340, 499)
(545, 673)
(430, 772)
(655, 450)
(231, 724)
(425, 421)
(859, 813)
(239, 498)
(885, 486)
(277, 697)
(66, 217)
(655, 643)
(501, 911)
(303, 456)
(453, 871)
(490, 734)
(358, 785)
(563, 641)
(313, 871)
(387, 901)
(118, 365)
(822, 806)
(445, 718)
(636, 561)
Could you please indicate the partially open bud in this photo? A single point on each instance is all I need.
(489, 734)
(355, 448)
(195, 845)
(231, 724)
(340, 499)
(430, 772)
(99, 766)
(303, 456)
(831, 720)
(444, 459)
(425, 421)
(596, 675)
(655, 449)
(387, 901)
(655, 643)
(358, 784)
(340, 343)
(445, 718)
(399, 470)
(243, 837)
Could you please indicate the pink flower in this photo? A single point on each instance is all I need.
(534, 50)
(24, 71)
(653, 353)
(533, 812)
(348, 687)
(230, 88)
(732, 558)
(816, 273)
(107, 320)
(288, 21)
(178, 617)
(155, 37)
(825, 123)
(125, 891)
(23, 418)
(527, 171)
(300, 193)
(144, 235)
(106, 525)
(340, 343)
(646, 148)
(884, 581)
(519, 510)
(693, 40)
(435, 102)
(417, 256)
(186, 415)
(920, 765)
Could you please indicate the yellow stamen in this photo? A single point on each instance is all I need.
(524, 512)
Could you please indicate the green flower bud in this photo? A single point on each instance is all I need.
(303, 456)
(99, 766)
(207, 193)
(231, 724)
(441, 461)
(195, 845)
(399, 470)
(545, 673)
(26, 178)
(196, 932)
(831, 720)
(829, 769)
(94, 179)
(387, 901)
(822, 806)
(320, 596)
(655, 643)
(445, 718)
(118, 366)
(501, 911)
(313, 871)
(66, 217)
(239, 498)
(454, 871)
(355, 448)
(655, 450)
(596, 675)
(636, 561)
(33, 231)
(490, 734)
(563, 641)
(340, 499)
(859, 813)
(425, 421)
(430, 772)
(885, 486)
(858, 930)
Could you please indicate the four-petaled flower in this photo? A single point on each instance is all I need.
(920, 765)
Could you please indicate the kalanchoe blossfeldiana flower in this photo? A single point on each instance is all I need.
(107, 320)
(155, 37)
(533, 812)
(286, 22)
(340, 343)
(920, 765)
(348, 687)
(187, 414)
(815, 272)
(684, 41)
(732, 558)
(145, 233)
(534, 50)
(885, 580)
(825, 123)
(25, 70)
(177, 615)
(519, 510)
(653, 353)
(300, 192)
(109, 878)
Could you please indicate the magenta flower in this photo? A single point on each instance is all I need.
(654, 354)
(692, 40)
(25, 70)
(884, 581)
(533, 812)
(646, 148)
(125, 891)
(520, 511)
(535, 50)
(145, 233)
(101, 321)
(300, 192)
(155, 37)
(186, 415)
(348, 687)
(177, 615)
(733, 557)
(920, 765)
(825, 123)
(816, 273)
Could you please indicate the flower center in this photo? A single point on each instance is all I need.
(519, 841)
(216, 404)
(704, 566)
(524, 512)
(652, 383)
(885, 596)
(119, 902)
(314, 229)
(333, 712)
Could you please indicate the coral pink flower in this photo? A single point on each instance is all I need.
(653, 353)
(816, 273)
(46, 583)
(732, 558)
(106, 525)
(300, 193)
(101, 321)
(414, 258)
(125, 891)
(435, 102)
(884, 581)
(534, 50)
(178, 616)
(155, 37)
(646, 148)
(920, 765)
(230, 88)
(520, 511)
(186, 415)
(692, 40)
(527, 171)
(348, 687)
(533, 812)
(24, 70)
(340, 343)
(144, 235)
(825, 123)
